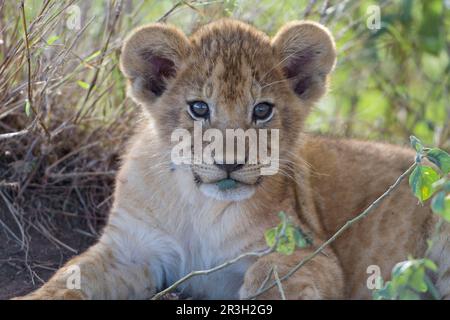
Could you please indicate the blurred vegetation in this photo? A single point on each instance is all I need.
(64, 116)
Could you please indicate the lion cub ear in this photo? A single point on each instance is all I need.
(151, 57)
(307, 54)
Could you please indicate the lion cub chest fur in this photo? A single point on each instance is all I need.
(204, 249)
(206, 244)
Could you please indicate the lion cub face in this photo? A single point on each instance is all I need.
(228, 76)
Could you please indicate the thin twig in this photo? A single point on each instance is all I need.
(11, 209)
(257, 254)
(266, 280)
(22, 132)
(170, 11)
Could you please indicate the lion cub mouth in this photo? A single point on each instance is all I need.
(228, 190)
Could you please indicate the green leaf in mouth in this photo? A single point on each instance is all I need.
(226, 184)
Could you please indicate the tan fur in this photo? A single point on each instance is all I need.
(162, 227)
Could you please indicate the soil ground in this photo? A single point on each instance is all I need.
(22, 271)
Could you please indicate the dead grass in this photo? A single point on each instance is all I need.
(59, 141)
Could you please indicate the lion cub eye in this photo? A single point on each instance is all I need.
(198, 110)
(263, 112)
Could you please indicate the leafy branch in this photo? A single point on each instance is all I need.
(409, 278)
(408, 281)
(347, 225)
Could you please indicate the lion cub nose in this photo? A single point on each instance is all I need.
(229, 167)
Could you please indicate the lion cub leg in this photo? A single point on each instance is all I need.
(320, 278)
(128, 262)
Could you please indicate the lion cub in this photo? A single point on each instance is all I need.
(169, 219)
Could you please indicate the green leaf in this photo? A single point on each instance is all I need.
(270, 236)
(387, 292)
(440, 158)
(286, 243)
(52, 40)
(83, 84)
(429, 264)
(27, 108)
(416, 143)
(401, 267)
(441, 205)
(417, 280)
(289, 236)
(282, 216)
(408, 280)
(421, 182)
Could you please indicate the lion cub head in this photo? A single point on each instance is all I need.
(229, 76)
